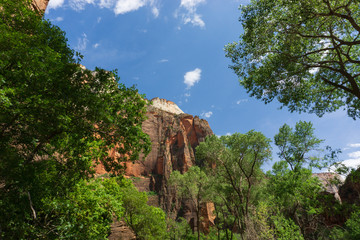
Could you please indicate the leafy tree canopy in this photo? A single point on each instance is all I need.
(302, 52)
(56, 118)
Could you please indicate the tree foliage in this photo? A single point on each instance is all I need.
(300, 148)
(303, 52)
(291, 184)
(235, 169)
(192, 185)
(56, 119)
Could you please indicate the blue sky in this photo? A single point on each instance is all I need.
(174, 49)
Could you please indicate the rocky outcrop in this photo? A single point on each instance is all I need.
(174, 136)
(40, 5)
(350, 190)
(165, 105)
(330, 200)
(331, 183)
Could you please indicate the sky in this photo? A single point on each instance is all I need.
(174, 49)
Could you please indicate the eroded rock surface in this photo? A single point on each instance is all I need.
(350, 190)
(331, 183)
(40, 5)
(174, 138)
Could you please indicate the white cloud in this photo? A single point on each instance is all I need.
(187, 94)
(192, 77)
(354, 154)
(96, 45)
(354, 145)
(206, 114)
(118, 6)
(125, 6)
(188, 12)
(354, 163)
(241, 101)
(194, 20)
(107, 3)
(58, 19)
(163, 61)
(80, 4)
(98, 20)
(55, 4)
(191, 4)
(155, 11)
(82, 43)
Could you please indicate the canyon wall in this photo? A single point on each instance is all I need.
(40, 5)
(174, 136)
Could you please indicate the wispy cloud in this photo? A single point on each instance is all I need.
(155, 11)
(163, 60)
(79, 5)
(58, 19)
(354, 154)
(241, 101)
(354, 145)
(96, 45)
(82, 43)
(188, 12)
(192, 77)
(118, 6)
(206, 114)
(53, 4)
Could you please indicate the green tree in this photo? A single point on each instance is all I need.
(56, 119)
(235, 175)
(192, 185)
(84, 213)
(298, 147)
(146, 221)
(290, 183)
(302, 52)
(351, 230)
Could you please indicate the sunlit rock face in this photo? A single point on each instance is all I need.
(174, 136)
(331, 183)
(40, 5)
(166, 106)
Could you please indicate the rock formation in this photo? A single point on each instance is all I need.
(350, 190)
(174, 136)
(331, 183)
(40, 5)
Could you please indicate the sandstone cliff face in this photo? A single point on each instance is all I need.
(40, 5)
(174, 138)
(331, 183)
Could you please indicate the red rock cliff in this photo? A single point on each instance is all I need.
(174, 136)
(40, 5)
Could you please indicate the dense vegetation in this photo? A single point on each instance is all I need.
(57, 120)
(304, 53)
